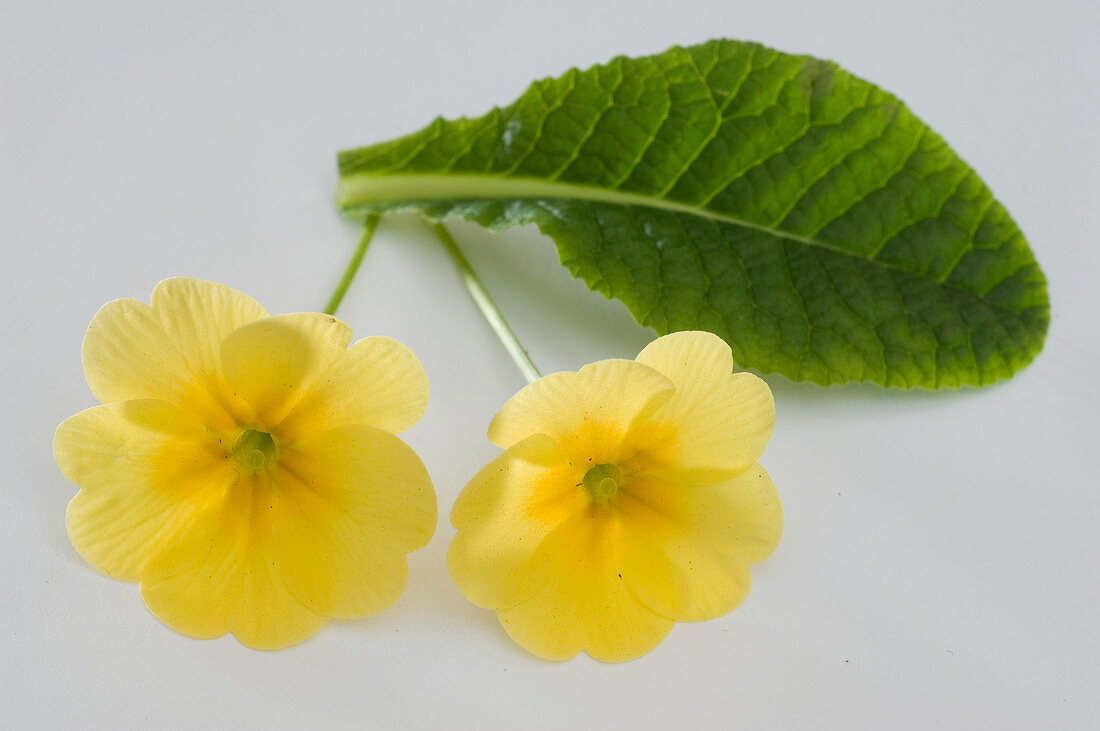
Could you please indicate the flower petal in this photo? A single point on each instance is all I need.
(354, 500)
(378, 382)
(135, 351)
(588, 412)
(127, 355)
(146, 473)
(503, 515)
(686, 550)
(585, 604)
(231, 580)
(197, 315)
(719, 421)
(323, 534)
(272, 361)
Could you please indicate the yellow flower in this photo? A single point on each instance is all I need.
(628, 498)
(244, 468)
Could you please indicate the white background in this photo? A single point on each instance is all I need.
(939, 566)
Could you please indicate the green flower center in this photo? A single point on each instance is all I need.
(602, 481)
(254, 450)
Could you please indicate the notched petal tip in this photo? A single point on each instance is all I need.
(378, 382)
(686, 346)
(272, 362)
(608, 396)
(133, 350)
(126, 354)
(719, 421)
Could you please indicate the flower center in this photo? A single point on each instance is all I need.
(254, 450)
(602, 481)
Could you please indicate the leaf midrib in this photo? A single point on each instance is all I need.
(356, 189)
(359, 188)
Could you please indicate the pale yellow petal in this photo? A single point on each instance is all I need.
(146, 473)
(127, 355)
(718, 422)
(271, 362)
(588, 412)
(232, 581)
(353, 502)
(168, 350)
(322, 534)
(378, 382)
(503, 515)
(244, 597)
(585, 604)
(197, 315)
(686, 549)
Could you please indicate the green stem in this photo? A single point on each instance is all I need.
(485, 303)
(337, 297)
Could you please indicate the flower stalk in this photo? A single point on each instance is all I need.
(485, 303)
(352, 268)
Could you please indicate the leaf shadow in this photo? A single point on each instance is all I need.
(562, 323)
(865, 392)
(575, 325)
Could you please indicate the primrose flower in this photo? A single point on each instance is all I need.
(628, 497)
(243, 468)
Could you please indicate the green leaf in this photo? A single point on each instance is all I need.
(799, 212)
